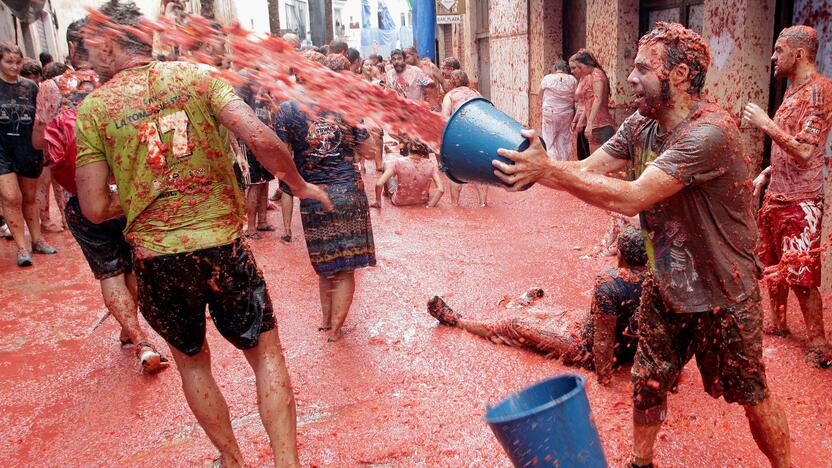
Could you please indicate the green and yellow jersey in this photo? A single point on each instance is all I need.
(157, 128)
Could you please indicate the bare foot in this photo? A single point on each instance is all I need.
(775, 330)
(819, 356)
(335, 336)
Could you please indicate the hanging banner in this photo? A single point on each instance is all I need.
(449, 7)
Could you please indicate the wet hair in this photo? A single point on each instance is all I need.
(127, 14)
(452, 63)
(353, 55)
(585, 57)
(45, 58)
(681, 45)
(802, 37)
(560, 65)
(337, 62)
(74, 35)
(313, 55)
(54, 69)
(459, 78)
(411, 49)
(396, 52)
(631, 247)
(338, 47)
(9, 48)
(31, 69)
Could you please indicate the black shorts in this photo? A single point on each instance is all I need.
(175, 288)
(20, 160)
(727, 343)
(103, 245)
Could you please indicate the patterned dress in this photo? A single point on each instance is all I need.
(324, 153)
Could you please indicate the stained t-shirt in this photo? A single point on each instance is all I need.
(413, 178)
(558, 91)
(324, 147)
(409, 83)
(17, 117)
(157, 128)
(701, 240)
(806, 114)
(603, 117)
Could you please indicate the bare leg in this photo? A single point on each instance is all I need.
(455, 191)
(325, 287)
(644, 438)
(262, 205)
(121, 302)
(60, 199)
(811, 305)
(287, 204)
(29, 189)
(207, 403)
(342, 294)
(482, 194)
(13, 208)
(275, 399)
(251, 210)
(778, 294)
(43, 197)
(770, 430)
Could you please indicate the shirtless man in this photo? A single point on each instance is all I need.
(598, 339)
(457, 96)
(792, 214)
(688, 181)
(408, 181)
(156, 128)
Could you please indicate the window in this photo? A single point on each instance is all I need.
(689, 13)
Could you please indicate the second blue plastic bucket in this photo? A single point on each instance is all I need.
(471, 139)
(548, 424)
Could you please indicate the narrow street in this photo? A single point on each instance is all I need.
(398, 390)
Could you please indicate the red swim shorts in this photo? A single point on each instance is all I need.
(790, 241)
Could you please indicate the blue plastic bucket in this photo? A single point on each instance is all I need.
(471, 139)
(548, 424)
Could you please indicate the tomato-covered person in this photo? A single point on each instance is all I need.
(103, 245)
(408, 180)
(558, 89)
(20, 162)
(599, 340)
(792, 214)
(690, 183)
(156, 128)
(408, 81)
(459, 93)
(327, 151)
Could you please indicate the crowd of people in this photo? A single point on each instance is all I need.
(161, 170)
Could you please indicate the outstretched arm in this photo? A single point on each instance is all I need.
(584, 181)
(272, 153)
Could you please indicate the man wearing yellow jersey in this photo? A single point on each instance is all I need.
(155, 127)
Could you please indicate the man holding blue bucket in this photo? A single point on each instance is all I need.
(690, 183)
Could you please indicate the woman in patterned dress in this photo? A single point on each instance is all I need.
(327, 151)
